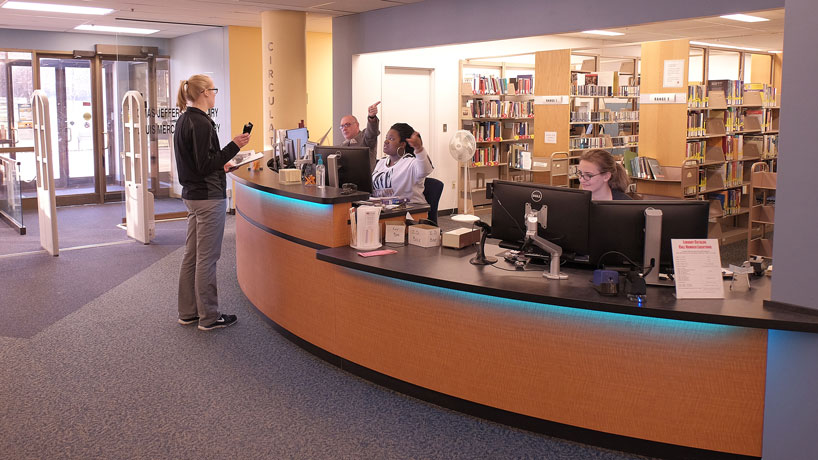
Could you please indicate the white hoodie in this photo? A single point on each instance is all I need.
(404, 178)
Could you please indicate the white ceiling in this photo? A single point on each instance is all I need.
(766, 36)
(182, 17)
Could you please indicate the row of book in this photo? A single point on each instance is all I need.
(733, 173)
(730, 201)
(486, 156)
(490, 84)
(767, 93)
(604, 116)
(487, 131)
(646, 168)
(696, 124)
(696, 96)
(733, 90)
(602, 142)
(519, 156)
(520, 130)
(492, 108)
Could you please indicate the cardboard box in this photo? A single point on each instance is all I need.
(461, 237)
(425, 236)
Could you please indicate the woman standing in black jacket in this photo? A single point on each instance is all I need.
(202, 164)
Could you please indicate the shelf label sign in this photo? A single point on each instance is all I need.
(551, 100)
(663, 98)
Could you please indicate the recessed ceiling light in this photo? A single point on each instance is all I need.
(602, 32)
(52, 8)
(718, 45)
(123, 30)
(744, 18)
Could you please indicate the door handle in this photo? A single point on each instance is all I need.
(105, 140)
(69, 133)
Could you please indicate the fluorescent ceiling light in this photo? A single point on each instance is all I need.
(775, 52)
(52, 8)
(744, 18)
(718, 45)
(602, 32)
(124, 30)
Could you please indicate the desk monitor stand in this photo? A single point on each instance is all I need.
(532, 220)
(653, 248)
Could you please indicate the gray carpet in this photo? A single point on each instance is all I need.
(118, 378)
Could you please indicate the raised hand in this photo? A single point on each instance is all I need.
(415, 141)
(373, 109)
(242, 139)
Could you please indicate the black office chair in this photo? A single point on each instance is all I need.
(432, 189)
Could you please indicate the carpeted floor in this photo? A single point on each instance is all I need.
(116, 377)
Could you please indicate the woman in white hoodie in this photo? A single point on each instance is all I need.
(406, 164)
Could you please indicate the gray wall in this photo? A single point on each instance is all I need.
(206, 53)
(69, 41)
(795, 246)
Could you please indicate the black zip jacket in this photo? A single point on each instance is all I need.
(199, 160)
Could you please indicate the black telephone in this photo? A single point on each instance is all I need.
(248, 127)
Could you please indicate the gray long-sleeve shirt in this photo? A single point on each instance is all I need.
(367, 137)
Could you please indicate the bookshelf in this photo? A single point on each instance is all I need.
(581, 103)
(714, 133)
(496, 105)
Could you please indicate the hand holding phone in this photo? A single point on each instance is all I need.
(248, 127)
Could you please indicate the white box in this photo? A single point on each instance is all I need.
(395, 232)
(426, 236)
(461, 237)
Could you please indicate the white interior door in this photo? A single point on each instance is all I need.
(407, 98)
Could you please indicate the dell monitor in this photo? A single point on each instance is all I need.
(353, 166)
(620, 226)
(567, 221)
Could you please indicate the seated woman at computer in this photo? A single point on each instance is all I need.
(602, 175)
(402, 171)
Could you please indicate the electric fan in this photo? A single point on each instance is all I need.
(462, 147)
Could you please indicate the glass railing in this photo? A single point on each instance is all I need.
(11, 200)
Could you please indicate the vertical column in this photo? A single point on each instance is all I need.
(284, 38)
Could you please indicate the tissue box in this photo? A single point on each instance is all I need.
(425, 236)
(395, 232)
(461, 237)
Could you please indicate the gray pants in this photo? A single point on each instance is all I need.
(198, 295)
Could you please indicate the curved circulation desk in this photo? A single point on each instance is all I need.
(672, 378)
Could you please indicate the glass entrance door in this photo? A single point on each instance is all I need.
(16, 122)
(68, 85)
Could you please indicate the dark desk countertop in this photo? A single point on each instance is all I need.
(266, 180)
(450, 268)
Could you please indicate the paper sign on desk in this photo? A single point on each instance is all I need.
(697, 266)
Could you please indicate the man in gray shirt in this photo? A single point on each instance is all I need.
(353, 136)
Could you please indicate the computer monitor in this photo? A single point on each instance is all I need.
(620, 226)
(567, 221)
(299, 137)
(353, 165)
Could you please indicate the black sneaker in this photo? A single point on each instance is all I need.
(223, 321)
(185, 322)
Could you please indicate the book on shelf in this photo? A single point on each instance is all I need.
(646, 168)
(655, 168)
